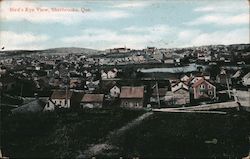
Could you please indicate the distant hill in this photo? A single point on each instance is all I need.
(86, 51)
(62, 50)
(69, 50)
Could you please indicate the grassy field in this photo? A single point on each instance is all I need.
(58, 134)
(65, 134)
(180, 135)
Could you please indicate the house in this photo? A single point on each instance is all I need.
(92, 85)
(75, 82)
(223, 78)
(92, 101)
(104, 75)
(184, 78)
(246, 79)
(115, 92)
(198, 77)
(87, 74)
(203, 89)
(112, 73)
(181, 96)
(237, 74)
(157, 55)
(169, 61)
(161, 93)
(132, 97)
(2, 70)
(59, 99)
(118, 50)
(178, 85)
(150, 50)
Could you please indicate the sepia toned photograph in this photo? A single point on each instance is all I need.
(125, 79)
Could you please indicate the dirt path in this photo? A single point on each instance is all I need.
(107, 145)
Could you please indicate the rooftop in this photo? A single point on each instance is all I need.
(61, 94)
(93, 98)
(132, 92)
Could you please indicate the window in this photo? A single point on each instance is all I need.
(202, 86)
(210, 92)
(209, 86)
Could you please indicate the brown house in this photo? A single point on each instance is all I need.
(92, 101)
(132, 97)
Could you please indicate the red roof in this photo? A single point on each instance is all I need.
(132, 92)
(199, 82)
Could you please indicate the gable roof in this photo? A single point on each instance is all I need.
(247, 75)
(33, 106)
(114, 87)
(180, 89)
(237, 74)
(200, 81)
(189, 80)
(92, 98)
(61, 94)
(132, 92)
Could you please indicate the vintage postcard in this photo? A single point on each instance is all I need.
(124, 79)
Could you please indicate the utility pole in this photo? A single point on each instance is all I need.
(67, 83)
(66, 95)
(229, 94)
(21, 94)
(158, 98)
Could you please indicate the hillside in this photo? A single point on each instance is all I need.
(62, 50)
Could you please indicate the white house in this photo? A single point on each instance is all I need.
(112, 73)
(184, 78)
(178, 85)
(104, 75)
(115, 91)
(2, 70)
(246, 79)
(59, 99)
(38, 68)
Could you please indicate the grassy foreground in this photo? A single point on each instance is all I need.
(59, 134)
(187, 135)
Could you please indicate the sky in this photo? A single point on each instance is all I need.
(42, 24)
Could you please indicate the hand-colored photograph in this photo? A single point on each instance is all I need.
(125, 79)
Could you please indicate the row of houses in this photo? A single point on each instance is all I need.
(182, 92)
(132, 97)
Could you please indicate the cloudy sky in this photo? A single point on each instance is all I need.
(135, 24)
